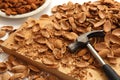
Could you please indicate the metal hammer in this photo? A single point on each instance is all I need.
(83, 41)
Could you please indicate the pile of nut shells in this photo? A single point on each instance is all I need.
(98, 15)
(46, 40)
(14, 69)
(14, 7)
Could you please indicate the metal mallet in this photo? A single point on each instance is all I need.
(83, 41)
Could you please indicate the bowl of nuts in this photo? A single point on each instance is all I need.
(21, 8)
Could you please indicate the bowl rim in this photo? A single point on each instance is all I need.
(43, 6)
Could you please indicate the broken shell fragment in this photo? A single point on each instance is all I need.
(41, 40)
(112, 61)
(98, 24)
(58, 43)
(3, 67)
(2, 33)
(114, 47)
(1, 41)
(101, 14)
(36, 28)
(6, 76)
(43, 49)
(109, 1)
(107, 38)
(48, 61)
(64, 25)
(115, 39)
(57, 26)
(100, 46)
(107, 26)
(50, 45)
(117, 52)
(116, 32)
(54, 9)
(19, 36)
(45, 34)
(82, 52)
(19, 68)
(58, 15)
(82, 64)
(7, 28)
(82, 17)
(103, 53)
(86, 56)
(70, 35)
(57, 53)
(17, 76)
(33, 68)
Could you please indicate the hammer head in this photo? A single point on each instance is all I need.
(83, 39)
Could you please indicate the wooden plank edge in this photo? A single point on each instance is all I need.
(40, 66)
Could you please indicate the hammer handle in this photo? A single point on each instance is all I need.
(95, 54)
(112, 75)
